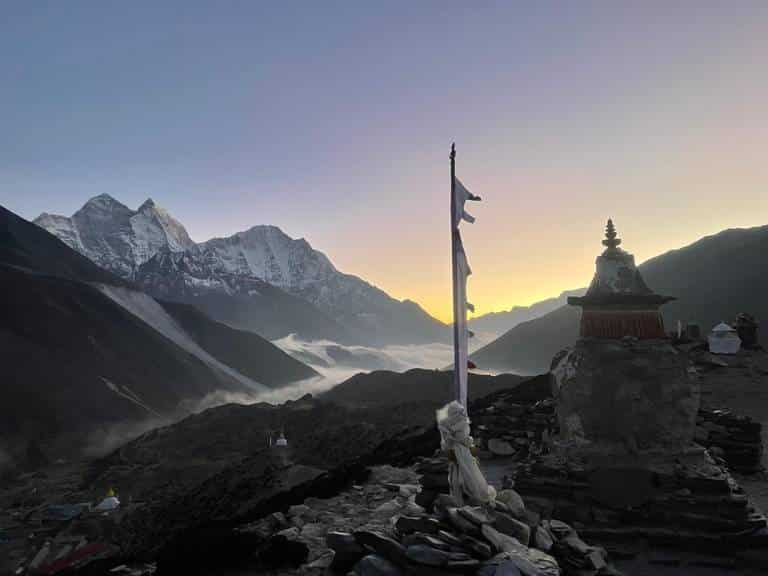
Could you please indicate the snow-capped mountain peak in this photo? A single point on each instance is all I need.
(151, 247)
(116, 237)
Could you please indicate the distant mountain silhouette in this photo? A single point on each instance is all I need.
(499, 322)
(713, 279)
(83, 349)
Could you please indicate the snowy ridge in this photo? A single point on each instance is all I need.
(152, 248)
(116, 237)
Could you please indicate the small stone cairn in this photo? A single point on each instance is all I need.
(434, 535)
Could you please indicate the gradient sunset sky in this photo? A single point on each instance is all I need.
(333, 120)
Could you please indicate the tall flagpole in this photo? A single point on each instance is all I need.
(454, 271)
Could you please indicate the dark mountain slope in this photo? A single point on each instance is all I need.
(386, 388)
(75, 360)
(713, 279)
(247, 352)
(28, 246)
(529, 347)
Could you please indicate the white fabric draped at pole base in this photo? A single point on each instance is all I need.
(464, 475)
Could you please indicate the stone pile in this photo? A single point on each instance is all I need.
(685, 501)
(504, 539)
(506, 429)
(737, 440)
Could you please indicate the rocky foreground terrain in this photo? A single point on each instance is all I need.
(364, 488)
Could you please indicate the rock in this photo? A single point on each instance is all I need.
(290, 533)
(298, 510)
(426, 498)
(347, 550)
(381, 544)
(323, 560)
(542, 539)
(504, 568)
(450, 538)
(499, 447)
(313, 530)
(427, 555)
(443, 502)
(501, 542)
(510, 526)
(477, 547)
(458, 521)
(528, 561)
(387, 508)
(427, 540)
(409, 524)
(513, 502)
(475, 514)
(375, 565)
(558, 529)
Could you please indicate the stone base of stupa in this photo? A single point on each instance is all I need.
(624, 465)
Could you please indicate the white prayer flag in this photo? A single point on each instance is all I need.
(460, 305)
(461, 195)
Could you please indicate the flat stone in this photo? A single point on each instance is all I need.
(427, 540)
(513, 502)
(510, 526)
(409, 524)
(559, 529)
(298, 510)
(500, 447)
(381, 544)
(460, 523)
(500, 542)
(375, 565)
(323, 560)
(313, 530)
(443, 502)
(387, 508)
(505, 568)
(475, 514)
(477, 547)
(422, 554)
(347, 550)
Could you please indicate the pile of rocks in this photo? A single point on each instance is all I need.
(686, 501)
(506, 429)
(504, 539)
(735, 439)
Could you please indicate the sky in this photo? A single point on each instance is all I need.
(333, 120)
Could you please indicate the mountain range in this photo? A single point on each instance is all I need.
(499, 322)
(259, 279)
(84, 349)
(713, 280)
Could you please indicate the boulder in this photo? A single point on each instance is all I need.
(513, 502)
(375, 565)
(499, 447)
(347, 550)
(510, 526)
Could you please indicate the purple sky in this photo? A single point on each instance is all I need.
(333, 121)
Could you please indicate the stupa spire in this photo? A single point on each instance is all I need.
(611, 241)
